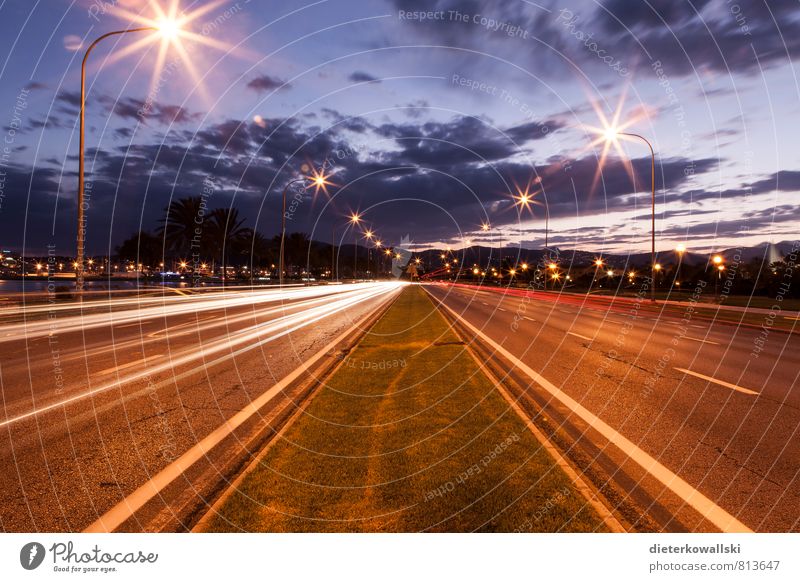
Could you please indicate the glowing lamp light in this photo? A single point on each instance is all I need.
(168, 27)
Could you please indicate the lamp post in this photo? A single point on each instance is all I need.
(333, 249)
(680, 249)
(355, 218)
(369, 235)
(718, 261)
(610, 135)
(81, 144)
(318, 180)
(598, 263)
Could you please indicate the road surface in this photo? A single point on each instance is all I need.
(717, 405)
(95, 402)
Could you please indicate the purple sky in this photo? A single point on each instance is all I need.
(429, 124)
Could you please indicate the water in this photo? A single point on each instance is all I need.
(31, 285)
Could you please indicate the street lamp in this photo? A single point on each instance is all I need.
(317, 179)
(168, 28)
(680, 249)
(355, 218)
(369, 235)
(720, 267)
(611, 134)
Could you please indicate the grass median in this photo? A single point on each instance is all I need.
(407, 435)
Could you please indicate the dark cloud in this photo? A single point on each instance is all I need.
(35, 86)
(68, 102)
(362, 77)
(785, 181)
(739, 37)
(149, 111)
(614, 14)
(264, 83)
(435, 179)
(50, 122)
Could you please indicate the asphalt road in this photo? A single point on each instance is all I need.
(95, 402)
(717, 404)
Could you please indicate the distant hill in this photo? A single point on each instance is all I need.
(579, 258)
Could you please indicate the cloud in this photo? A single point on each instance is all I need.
(148, 111)
(745, 36)
(35, 86)
(264, 83)
(73, 42)
(362, 77)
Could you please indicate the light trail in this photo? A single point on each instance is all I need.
(245, 340)
(160, 307)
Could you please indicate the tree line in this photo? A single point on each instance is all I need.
(190, 231)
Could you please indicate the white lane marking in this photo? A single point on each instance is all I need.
(500, 309)
(528, 318)
(128, 365)
(694, 339)
(123, 510)
(583, 337)
(484, 302)
(710, 510)
(137, 323)
(720, 382)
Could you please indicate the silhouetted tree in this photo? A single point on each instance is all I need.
(142, 247)
(179, 225)
(224, 230)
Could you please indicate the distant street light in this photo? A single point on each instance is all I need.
(316, 179)
(720, 267)
(355, 219)
(680, 249)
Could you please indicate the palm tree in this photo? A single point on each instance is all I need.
(141, 247)
(297, 249)
(225, 229)
(178, 227)
(254, 247)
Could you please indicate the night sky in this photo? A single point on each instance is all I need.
(429, 125)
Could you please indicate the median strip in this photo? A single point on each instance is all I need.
(408, 434)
